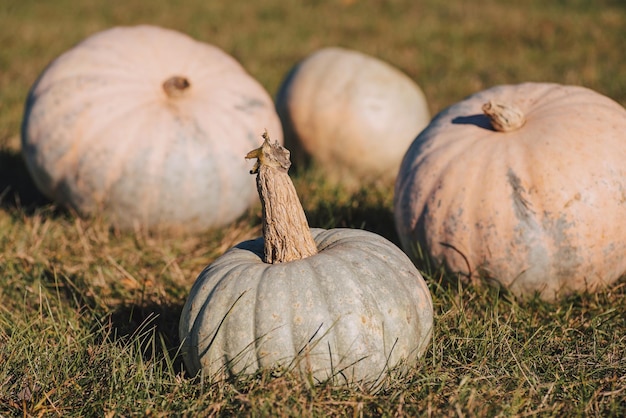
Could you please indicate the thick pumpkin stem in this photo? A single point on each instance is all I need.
(285, 229)
(504, 117)
(175, 86)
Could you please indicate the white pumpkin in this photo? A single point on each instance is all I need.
(146, 126)
(530, 195)
(352, 114)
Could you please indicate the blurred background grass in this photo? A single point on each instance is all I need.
(451, 48)
(88, 317)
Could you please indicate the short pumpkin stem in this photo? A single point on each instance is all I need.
(175, 86)
(285, 229)
(504, 117)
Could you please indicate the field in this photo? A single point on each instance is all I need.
(89, 316)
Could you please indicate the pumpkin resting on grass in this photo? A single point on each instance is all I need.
(522, 184)
(341, 305)
(145, 126)
(338, 99)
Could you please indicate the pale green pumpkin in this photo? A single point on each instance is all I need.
(348, 307)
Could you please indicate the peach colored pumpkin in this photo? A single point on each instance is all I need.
(146, 126)
(540, 208)
(351, 114)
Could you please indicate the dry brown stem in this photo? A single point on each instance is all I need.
(504, 117)
(285, 228)
(176, 86)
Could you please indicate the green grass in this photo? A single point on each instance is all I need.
(88, 317)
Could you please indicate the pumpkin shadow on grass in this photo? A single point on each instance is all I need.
(146, 327)
(365, 209)
(17, 189)
(152, 328)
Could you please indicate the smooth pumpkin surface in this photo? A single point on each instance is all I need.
(351, 114)
(537, 209)
(339, 305)
(146, 126)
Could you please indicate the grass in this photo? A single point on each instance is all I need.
(88, 316)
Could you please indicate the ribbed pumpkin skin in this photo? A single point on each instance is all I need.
(540, 209)
(101, 136)
(360, 298)
(352, 114)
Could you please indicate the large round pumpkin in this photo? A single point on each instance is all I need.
(522, 184)
(146, 126)
(335, 305)
(353, 115)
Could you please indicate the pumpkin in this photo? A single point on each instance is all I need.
(520, 185)
(352, 115)
(146, 126)
(336, 305)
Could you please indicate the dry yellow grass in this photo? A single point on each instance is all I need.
(88, 316)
